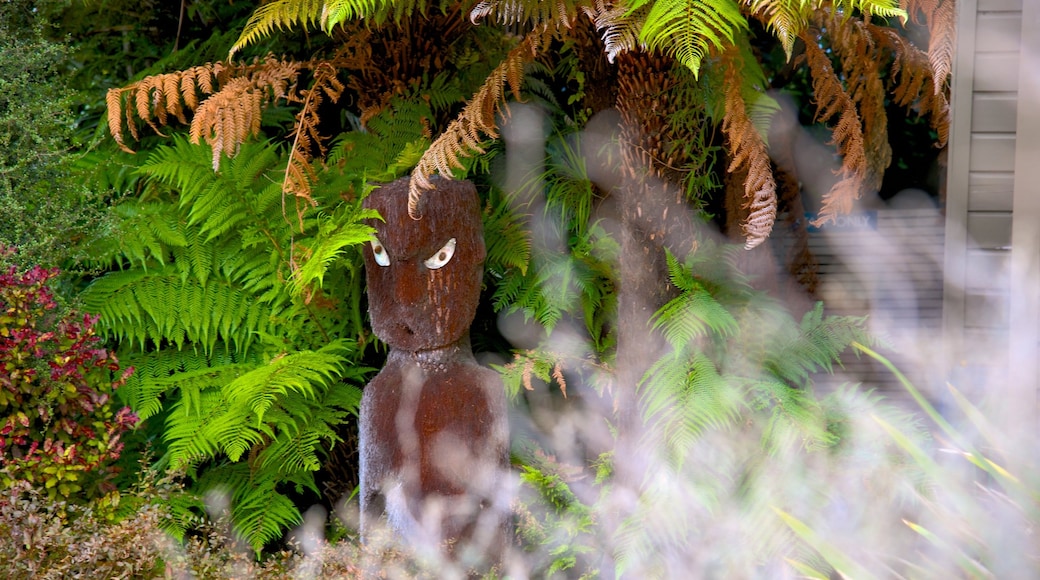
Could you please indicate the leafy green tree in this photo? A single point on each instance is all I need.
(46, 213)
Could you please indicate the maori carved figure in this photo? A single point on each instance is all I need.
(433, 431)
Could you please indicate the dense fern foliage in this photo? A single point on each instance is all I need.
(215, 296)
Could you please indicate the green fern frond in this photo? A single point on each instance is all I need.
(784, 18)
(818, 343)
(882, 8)
(218, 201)
(301, 372)
(260, 513)
(280, 14)
(508, 242)
(688, 29)
(681, 396)
(150, 308)
(336, 234)
(695, 313)
(166, 371)
(188, 432)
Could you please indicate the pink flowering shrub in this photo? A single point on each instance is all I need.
(60, 428)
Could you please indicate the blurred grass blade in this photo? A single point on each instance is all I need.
(973, 567)
(923, 460)
(976, 417)
(806, 570)
(914, 392)
(969, 453)
(842, 565)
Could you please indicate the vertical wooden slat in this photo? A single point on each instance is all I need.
(956, 247)
(1025, 238)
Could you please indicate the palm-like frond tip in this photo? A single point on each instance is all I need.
(463, 135)
(543, 12)
(280, 14)
(687, 29)
(784, 18)
(748, 150)
(619, 25)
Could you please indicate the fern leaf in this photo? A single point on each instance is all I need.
(784, 18)
(831, 100)
(328, 249)
(688, 29)
(114, 105)
(262, 515)
(280, 14)
(882, 8)
(748, 151)
(478, 117)
(620, 26)
(541, 13)
(302, 372)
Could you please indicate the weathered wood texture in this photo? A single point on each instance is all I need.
(433, 432)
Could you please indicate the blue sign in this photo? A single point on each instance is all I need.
(853, 222)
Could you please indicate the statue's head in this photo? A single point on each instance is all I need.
(424, 275)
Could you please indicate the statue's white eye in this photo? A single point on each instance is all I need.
(442, 257)
(382, 258)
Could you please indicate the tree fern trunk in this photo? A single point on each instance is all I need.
(654, 215)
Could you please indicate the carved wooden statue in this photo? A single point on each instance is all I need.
(433, 431)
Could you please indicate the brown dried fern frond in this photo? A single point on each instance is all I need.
(939, 16)
(463, 135)
(861, 61)
(231, 115)
(912, 82)
(229, 112)
(299, 173)
(832, 100)
(749, 153)
(154, 99)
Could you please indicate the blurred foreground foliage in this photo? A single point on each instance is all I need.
(241, 309)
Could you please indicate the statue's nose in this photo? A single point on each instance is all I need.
(411, 283)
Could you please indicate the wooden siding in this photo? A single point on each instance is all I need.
(992, 254)
(885, 263)
(1024, 310)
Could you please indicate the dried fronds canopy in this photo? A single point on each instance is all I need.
(226, 102)
(223, 101)
(224, 119)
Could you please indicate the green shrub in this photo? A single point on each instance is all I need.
(60, 428)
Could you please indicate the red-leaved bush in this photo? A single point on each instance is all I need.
(60, 428)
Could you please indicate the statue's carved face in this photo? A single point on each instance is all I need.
(424, 275)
